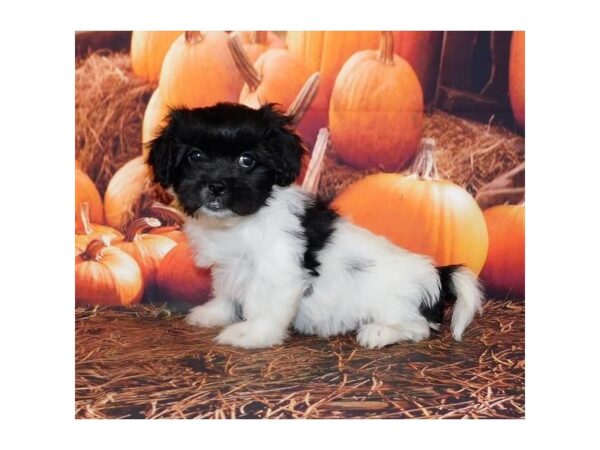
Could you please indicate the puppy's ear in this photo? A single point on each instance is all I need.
(161, 154)
(286, 146)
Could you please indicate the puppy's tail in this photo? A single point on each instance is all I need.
(459, 282)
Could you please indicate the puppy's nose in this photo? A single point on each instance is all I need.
(216, 188)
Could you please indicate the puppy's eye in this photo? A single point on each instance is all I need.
(246, 161)
(195, 156)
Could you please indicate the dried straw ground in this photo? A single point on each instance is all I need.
(145, 362)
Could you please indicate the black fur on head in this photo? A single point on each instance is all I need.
(226, 157)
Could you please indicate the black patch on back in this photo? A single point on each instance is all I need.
(318, 222)
(435, 313)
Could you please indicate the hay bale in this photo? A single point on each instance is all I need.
(109, 107)
(468, 153)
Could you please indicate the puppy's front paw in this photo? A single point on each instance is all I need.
(250, 335)
(375, 335)
(209, 315)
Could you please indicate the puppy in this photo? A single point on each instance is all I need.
(279, 256)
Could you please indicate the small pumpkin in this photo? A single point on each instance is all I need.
(172, 221)
(86, 191)
(147, 249)
(516, 77)
(86, 231)
(154, 118)
(106, 275)
(504, 269)
(198, 70)
(129, 193)
(275, 77)
(420, 212)
(148, 49)
(180, 280)
(257, 42)
(376, 110)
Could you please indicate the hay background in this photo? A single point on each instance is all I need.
(145, 362)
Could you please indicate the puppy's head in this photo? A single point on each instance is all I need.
(224, 160)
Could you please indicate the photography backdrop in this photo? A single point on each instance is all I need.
(415, 135)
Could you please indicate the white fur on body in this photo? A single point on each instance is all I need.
(365, 283)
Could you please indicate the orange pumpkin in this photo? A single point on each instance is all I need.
(173, 220)
(106, 275)
(154, 118)
(516, 77)
(128, 194)
(275, 77)
(85, 231)
(504, 269)
(148, 49)
(420, 212)
(376, 110)
(180, 280)
(257, 42)
(327, 51)
(86, 191)
(198, 70)
(147, 249)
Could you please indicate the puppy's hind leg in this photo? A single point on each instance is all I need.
(377, 335)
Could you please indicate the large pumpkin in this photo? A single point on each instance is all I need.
(504, 270)
(198, 70)
(148, 49)
(327, 51)
(376, 110)
(86, 191)
(516, 77)
(420, 212)
(105, 275)
(180, 280)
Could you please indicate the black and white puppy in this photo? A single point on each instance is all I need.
(280, 257)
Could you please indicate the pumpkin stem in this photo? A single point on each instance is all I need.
(92, 251)
(315, 166)
(386, 49)
(243, 63)
(84, 215)
(194, 37)
(258, 37)
(139, 226)
(425, 167)
(167, 214)
(304, 98)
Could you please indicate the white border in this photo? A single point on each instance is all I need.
(562, 223)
